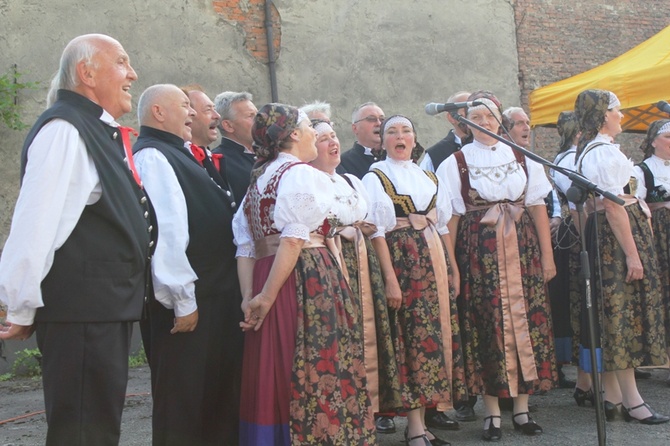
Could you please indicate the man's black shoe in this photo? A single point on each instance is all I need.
(440, 420)
(642, 374)
(385, 425)
(465, 413)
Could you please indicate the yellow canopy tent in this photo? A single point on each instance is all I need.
(639, 77)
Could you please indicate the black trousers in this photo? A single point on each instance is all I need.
(195, 376)
(85, 374)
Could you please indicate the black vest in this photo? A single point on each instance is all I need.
(99, 274)
(210, 251)
(443, 149)
(235, 166)
(356, 162)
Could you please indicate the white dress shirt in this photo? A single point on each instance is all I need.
(59, 182)
(173, 277)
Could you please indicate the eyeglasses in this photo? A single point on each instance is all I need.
(371, 118)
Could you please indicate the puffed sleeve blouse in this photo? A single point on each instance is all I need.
(606, 165)
(305, 196)
(496, 175)
(350, 204)
(408, 179)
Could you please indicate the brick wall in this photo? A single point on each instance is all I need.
(249, 15)
(557, 39)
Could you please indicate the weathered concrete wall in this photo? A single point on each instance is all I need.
(400, 54)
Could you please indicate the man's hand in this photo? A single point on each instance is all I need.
(185, 324)
(16, 331)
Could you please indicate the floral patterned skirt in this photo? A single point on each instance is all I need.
(389, 384)
(303, 373)
(566, 292)
(660, 221)
(629, 316)
(416, 327)
(481, 308)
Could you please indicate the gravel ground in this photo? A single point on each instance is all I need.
(564, 423)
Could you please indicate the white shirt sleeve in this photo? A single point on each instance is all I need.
(380, 207)
(60, 180)
(174, 279)
(427, 163)
(304, 198)
(242, 236)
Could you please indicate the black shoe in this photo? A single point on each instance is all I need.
(582, 396)
(491, 433)
(436, 441)
(465, 413)
(385, 425)
(528, 428)
(426, 441)
(641, 374)
(439, 420)
(612, 411)
(654, 418)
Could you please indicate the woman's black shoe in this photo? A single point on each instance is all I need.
(582, 396)
(654, 418)
(426, 440)
(612, 411)
(528, 428)
(436, 441)
(492, 433)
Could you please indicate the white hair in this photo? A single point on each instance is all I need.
(223, 102)
(317, 107)
(81, 48)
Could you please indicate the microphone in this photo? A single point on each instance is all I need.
(434, 108)
(661, 105)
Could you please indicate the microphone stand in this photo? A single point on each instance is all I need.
(581, 188)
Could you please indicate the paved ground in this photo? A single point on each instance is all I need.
(564, 423)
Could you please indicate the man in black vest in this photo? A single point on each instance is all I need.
(237, 116)
(366, 122)
(74, 267)
(455, 139)
(194, 275)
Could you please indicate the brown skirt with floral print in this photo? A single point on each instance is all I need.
(629, 315)
(480, 307)
(416, 327)
(389, 384)
(303, 373)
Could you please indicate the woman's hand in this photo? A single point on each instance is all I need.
(255, 311)
(634, 268)
(393, 294)
(455, 279)
(548, 267)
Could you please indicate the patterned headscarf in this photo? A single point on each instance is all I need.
(567, 127)
(655, 129)
(272, 126)
(486, 94)
(590, 109)
(418, 149)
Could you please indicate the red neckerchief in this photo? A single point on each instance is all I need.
(125, 137)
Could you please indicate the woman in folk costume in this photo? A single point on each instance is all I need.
(504, 253)
(565, 290)
(361, 269)
(653, 176)
(303, 371)
(626, 289)
(410, 209)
